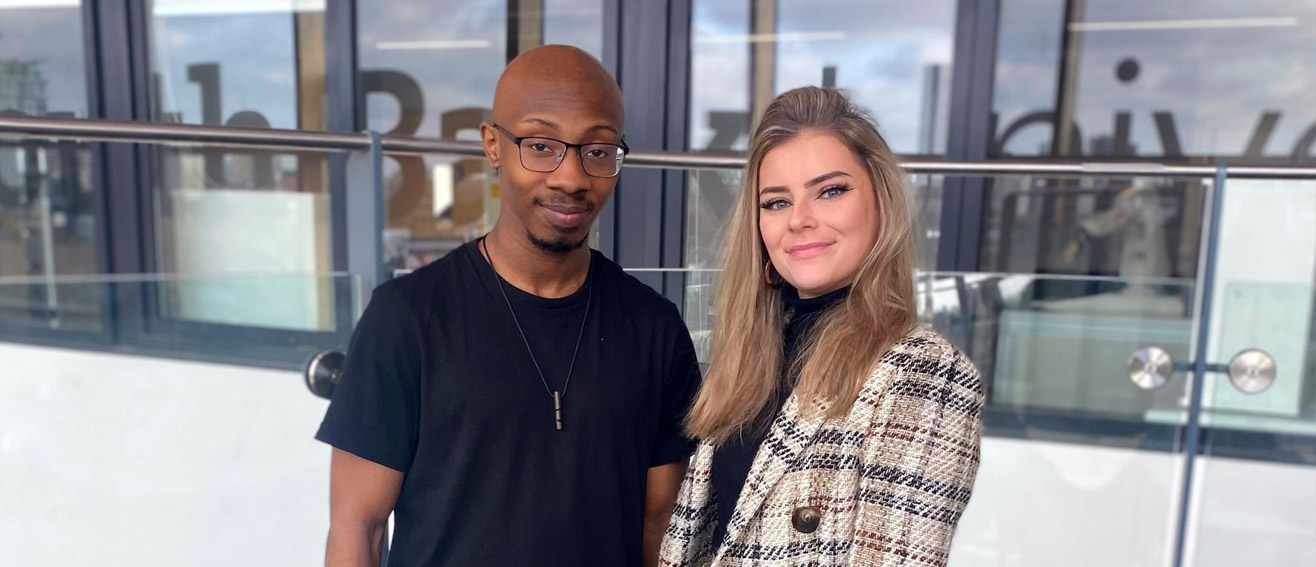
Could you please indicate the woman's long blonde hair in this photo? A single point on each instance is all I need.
(837, 356)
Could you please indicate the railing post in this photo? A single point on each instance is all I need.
(365, 214)
(1206, 275)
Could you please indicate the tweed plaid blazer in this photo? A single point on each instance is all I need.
(884, 485)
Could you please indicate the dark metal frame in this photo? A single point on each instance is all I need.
(969, 132)
(676, 183)
(607, 220)
(342, 94)
(653, 64)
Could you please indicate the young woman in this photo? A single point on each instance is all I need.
(834, 429)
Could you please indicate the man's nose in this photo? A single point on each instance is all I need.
(570, 175)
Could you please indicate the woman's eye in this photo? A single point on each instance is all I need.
(774, 205)
(834, 191)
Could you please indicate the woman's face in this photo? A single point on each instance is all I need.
(817, 212)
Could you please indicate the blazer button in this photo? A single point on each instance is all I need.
(805, 519)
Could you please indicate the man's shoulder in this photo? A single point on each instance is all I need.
(416, 289)
(636, 296)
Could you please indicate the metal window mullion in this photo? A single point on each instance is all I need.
(675, 183)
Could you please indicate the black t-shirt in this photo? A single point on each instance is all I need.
(733, 459)
(438, 385)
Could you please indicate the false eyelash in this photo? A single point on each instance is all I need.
(842, 187)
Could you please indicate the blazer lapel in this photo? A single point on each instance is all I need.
(787, 439)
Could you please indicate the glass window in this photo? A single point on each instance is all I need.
(1142, 227)
(429, 68)
(223, 213)
(575, 22)
(719, 75)
(47, 215)
(1160, 79)
(893, 58)
(1165, 80)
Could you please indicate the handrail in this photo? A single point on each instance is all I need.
(191, 135)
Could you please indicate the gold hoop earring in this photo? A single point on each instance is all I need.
(768, 273)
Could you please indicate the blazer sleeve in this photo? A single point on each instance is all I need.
(920, 459)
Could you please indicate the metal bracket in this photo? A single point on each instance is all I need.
(1251, 371)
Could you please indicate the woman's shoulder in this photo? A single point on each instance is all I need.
(925, 355)
(922, 370)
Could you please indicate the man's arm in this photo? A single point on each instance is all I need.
(362, 494)
(659, 500)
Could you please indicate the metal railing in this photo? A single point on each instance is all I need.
(291, 140)
(363, 260)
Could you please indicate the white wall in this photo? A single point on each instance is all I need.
(1253, 513)
(1046, 504)
(120, 460)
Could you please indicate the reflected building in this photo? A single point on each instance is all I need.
(22, 87)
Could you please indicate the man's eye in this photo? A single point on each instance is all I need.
(540, 148)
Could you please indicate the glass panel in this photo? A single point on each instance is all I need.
(133, 460)
(241, 211)
(1074, 454)
(1061, 355)
(269, 224)
(1257, 476)
(710, 199)
(894, 58)
(48, 224)
(720, 75)
(429, 69)
(1164, 79)
(575, 22)
(206, 70)
(1102, 226)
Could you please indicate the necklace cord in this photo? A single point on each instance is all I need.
(589, 296)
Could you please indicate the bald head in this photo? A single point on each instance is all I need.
(557, 80)
(547, 97)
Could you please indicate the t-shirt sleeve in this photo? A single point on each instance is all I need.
(373, 413)
(679, 390)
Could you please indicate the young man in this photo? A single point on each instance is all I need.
(519, 401)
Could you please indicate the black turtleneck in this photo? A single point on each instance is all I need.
(732, 460)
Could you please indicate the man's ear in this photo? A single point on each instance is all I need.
(489, 137)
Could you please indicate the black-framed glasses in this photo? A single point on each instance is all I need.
(546, 154)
